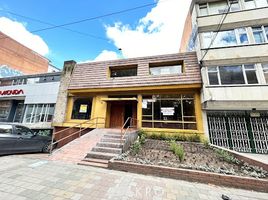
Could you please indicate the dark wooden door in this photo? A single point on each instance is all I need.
(117, 115)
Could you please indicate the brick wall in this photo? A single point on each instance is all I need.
(19, 57)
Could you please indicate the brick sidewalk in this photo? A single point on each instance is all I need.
(25, 178)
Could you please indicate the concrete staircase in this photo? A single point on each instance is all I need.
(109, 146)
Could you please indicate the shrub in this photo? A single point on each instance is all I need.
(225, 156)
(177, 137)
(136, 147)
(142, 139)
(177, 149)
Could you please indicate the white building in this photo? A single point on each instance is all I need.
(29, 99)
(231, 40)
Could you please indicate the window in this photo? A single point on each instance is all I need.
(5, 107)
(169, 111)
(166, 68)
(258, 35)
(203, 9)
(5, 129)
(229, 75)
(24, 131)
(234, 5)
(250, 4)
(213, 76)
(242, 35)
(35, 113)
(265, 71)
(261, 3)
(123, 71)
(223, 39)
(82, 108)
(218, 7)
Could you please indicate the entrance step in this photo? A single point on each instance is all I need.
(107, 150)
(101, 155)
(109, 144)
(116, 136)
(93, 164)
(95, 160)
(113, 140)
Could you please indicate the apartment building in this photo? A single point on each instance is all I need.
(162, 93)
(231, 41)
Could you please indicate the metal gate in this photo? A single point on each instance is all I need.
(244, 131)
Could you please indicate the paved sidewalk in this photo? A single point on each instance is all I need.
(259, 157)
(23, 178)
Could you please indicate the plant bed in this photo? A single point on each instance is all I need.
(200, 163)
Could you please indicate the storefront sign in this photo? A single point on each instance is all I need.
(144, 104)
(168, 111)
(11, 92)
(83, 108)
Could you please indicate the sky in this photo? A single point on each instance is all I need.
(103, 31)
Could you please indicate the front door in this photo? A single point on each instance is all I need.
(117, 114)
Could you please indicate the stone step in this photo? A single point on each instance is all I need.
(107, 150)
(101, 155)
(113, 140)
(93, 160)
(93, 164)
(117, 136)
(109, 144)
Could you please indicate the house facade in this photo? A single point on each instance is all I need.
(161, 93)
(231, 41)
(29, 99)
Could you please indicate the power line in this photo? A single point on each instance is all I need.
(47, 23)
(217, 31)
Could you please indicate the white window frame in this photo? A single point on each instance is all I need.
(36, 117)
(255, 5)
(243, 71)
(237, 35)
(263, 33)
(265, 71)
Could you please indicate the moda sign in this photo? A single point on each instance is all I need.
(11, 92)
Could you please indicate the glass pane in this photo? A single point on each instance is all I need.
(231, 75)
(206, 39)
(213, 78)
(191, 126)
(50, 112)
(249, 4)
(234, 5)
(251, 77)
(81, 109)
(243, 38)
(218, 7)
(261, 3)
(203, 9)
(188, 110)
(5, 129)
(4, 109)
(258, 35)
(225, 38)
(266, 32)
(249, 67)
(123, 72)
(212, 69)
(176, 69)
(27, 115)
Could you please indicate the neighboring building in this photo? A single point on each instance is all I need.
(29, 100)
(18, 58)
(161, 92)
(231, 41)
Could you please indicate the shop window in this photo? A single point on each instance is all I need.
(166, 68)
(123, 71)
(169, 111)
(36, 113)
(265, 71)
(228, 75)
(82, 108)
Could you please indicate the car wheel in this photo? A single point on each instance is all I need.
(47, 147)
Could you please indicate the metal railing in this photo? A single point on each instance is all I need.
(131, 125)
(93, 123)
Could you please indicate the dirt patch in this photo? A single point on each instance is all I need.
(197, 157)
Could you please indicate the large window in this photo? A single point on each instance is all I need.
(35, 113)
(123, 71)
(250, 4)
(169, 111)
(229, 75)
(265, 71)
(82, 108)
(166, 68)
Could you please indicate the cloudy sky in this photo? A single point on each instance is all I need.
(153, 28)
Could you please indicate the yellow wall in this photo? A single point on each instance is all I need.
(99, 110)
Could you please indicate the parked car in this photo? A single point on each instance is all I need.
(20, 139)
